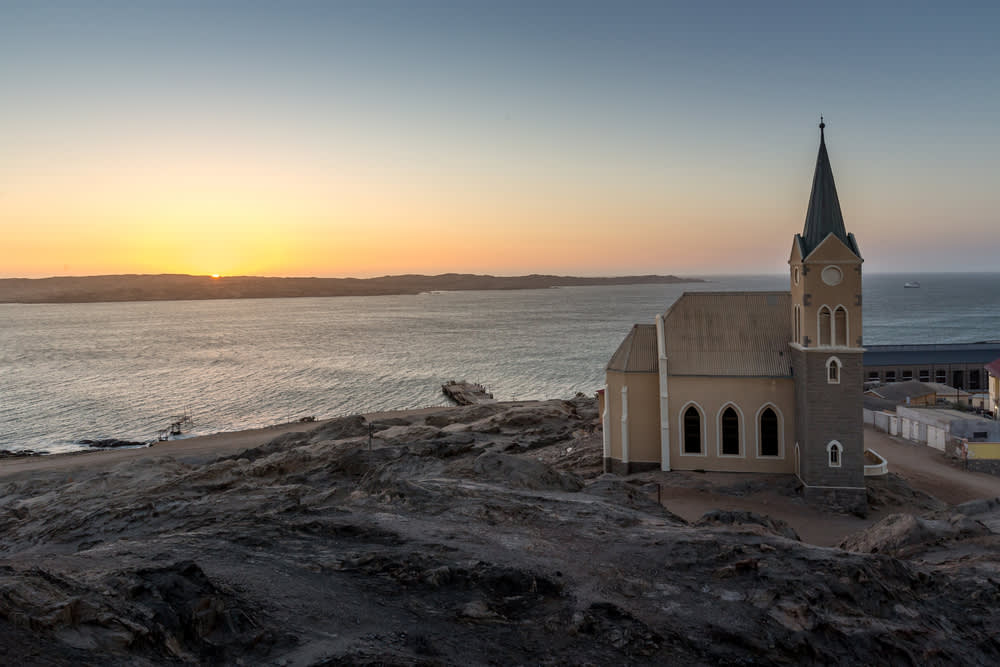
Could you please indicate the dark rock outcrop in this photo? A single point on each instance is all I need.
(111, 443)
(460, 546)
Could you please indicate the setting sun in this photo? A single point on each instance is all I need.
(215, 276)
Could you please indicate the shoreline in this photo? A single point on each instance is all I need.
(198, 448)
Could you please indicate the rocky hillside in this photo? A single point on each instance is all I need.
(479, 535)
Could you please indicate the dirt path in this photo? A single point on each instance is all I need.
(923, 468)
(927, 469)
(812, 524)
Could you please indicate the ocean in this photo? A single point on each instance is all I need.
(123, 370)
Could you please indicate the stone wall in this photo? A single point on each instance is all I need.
(844, 500)
(618, 468)
(827, 412)
(991, 466)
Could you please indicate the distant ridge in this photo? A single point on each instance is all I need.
(177, 287)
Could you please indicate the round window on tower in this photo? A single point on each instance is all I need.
(832, 275)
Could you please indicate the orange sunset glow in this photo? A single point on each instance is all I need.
(312, 153)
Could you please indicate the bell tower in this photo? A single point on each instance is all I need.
(826, 348)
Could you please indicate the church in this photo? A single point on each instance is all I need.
(767, 382)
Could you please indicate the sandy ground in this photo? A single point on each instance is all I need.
(927, 469)
(923, 468)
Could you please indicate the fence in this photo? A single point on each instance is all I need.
(908, 428)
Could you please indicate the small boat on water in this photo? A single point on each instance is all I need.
(912, 283)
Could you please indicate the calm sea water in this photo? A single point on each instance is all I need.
(69, 372)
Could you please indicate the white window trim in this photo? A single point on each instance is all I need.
(840, 370)
(718, 432)
(840, 454)
(840, 277)
(781, 433)
(703, 425)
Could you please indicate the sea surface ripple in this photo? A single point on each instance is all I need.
(123, 370)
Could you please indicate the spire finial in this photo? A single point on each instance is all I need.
(821, 126)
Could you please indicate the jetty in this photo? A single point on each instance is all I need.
(467, 393)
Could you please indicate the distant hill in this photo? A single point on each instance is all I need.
(174, 287)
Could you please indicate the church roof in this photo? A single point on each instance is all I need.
(637, 353)
(736, 334)
(823, 217)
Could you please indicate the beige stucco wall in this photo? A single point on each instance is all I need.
(643, 415)
(829, 253)
(750, 396)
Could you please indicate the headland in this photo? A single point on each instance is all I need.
(177, 287)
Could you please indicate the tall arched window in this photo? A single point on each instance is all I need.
(768, 433)
(840, 326)
(730, 432)
(692, 431)
(824, 326)
(797, 325)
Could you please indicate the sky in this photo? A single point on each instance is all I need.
(342, 138)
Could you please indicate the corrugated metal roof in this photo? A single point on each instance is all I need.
(902, 390)
(637, 353)
(939, 354)
(945, 389)
(743, 334)
(876, 404)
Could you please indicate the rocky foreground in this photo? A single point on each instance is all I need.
(479, 535)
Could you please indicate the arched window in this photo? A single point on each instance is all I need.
(768, 433)
(730, 432)
(692, 431)
(824, 326)
(840, 326)
(797, 325)
(835, 452)
(833, 370)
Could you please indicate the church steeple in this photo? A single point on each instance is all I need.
(824, 217)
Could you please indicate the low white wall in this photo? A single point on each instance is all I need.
(907, 426)
(881, 421)
(876, 469)
(936, 437)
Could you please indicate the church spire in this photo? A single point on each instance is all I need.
(824, 217)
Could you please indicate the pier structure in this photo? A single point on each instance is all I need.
(467, 393)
